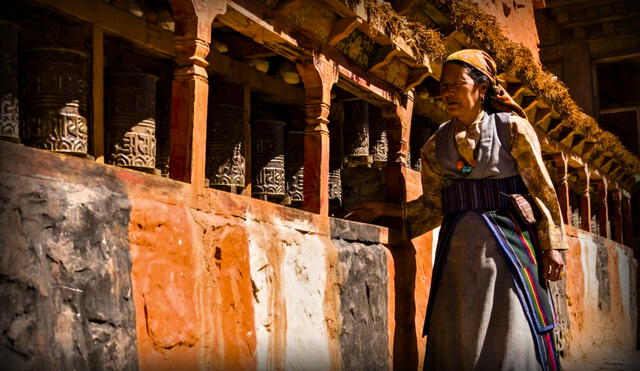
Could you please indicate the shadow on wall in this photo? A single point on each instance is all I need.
(65, 283)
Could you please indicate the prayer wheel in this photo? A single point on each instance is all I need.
(378, 138)
(225, 146)
(356, 133)
(54, 100)
(268, 160)
(9, 121)
(163, 126)
(294, 166)
(130, 120)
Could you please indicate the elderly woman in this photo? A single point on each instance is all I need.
(485, 183)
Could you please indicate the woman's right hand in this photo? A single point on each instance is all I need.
(369, 211)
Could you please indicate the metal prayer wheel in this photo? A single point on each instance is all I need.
(225, 146)
(54, 99)
(378, 138)
(9, 121)
(163, 126)
(268, 160)
(130, 120)
(356, 134)
(294, 166)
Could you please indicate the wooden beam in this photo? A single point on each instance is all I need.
(117, 22)
(241, 72)
(383, 56)
(97, 84)
(416, 76)
(342, 28)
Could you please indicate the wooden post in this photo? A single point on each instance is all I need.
(628, 222)
(97, 45)
(247, 140)
(603, 207)
(398, 123)
(190, 90)
(318, 75)
(563, 186)
(616, 215)
(583, 188)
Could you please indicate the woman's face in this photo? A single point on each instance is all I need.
(460, 93)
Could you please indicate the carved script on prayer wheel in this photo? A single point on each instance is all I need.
(54, 99)
(9, 122)
(378, 138)
(130, 112)
(225, 145)
(268, 159)
(356, 134)
(294, 166)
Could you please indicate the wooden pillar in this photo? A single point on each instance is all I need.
(583, 188)
(603, 207)
(561, 163)
(628, 222)
(190, 90)
(318, 75)
(398, 123)
(616, 214)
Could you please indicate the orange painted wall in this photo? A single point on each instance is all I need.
(516, 20)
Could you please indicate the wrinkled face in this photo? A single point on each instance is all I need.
(460, 93)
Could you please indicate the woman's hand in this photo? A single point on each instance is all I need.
(552, 265)
(367, 212)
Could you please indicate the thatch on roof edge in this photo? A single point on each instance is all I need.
(484, 32)
(422, 40)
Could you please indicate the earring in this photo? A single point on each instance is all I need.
(482, 99)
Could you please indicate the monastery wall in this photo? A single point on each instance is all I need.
(107, 266)
(516, 21)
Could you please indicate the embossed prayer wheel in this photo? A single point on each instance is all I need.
(54, 100)
(294, 166)
(356, 133)
(9, 121)
(163, 126)
(378, 138)
(225, 146)
(130, 120)
(267, 160)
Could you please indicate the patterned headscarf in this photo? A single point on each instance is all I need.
(500, 100)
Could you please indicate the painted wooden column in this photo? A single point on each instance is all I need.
(562, 190)
(318, 75)
(190, 89)
(616, 214)
(585, 198)
(398, 123)
(628, 222)
(603, 207)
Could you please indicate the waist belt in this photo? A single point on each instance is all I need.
(480, 194)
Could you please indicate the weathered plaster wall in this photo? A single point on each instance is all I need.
(516, 20)
(601, 296)
(218, 280)
(65, 287)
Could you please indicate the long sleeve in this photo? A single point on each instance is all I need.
(425, 212)
(525, 149)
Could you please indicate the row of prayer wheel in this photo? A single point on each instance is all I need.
(274, 178)
(277, 156)
(45, 106)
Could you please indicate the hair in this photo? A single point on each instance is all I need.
(479, 78)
